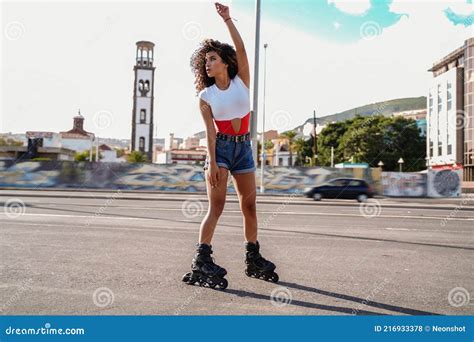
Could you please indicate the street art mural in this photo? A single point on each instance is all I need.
(399, 184)
(434, 183)
(161, 177)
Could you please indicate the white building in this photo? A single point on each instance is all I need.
(143, 98)
(109, 155)
(77, 139)
(449, 109)
(49, 139)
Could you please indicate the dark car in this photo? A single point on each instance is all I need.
(343, 188)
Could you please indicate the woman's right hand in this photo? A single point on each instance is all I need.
(213, 174)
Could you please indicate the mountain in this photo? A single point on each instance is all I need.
(386, 108)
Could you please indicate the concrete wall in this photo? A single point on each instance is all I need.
(64, 174)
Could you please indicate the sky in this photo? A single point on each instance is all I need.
(326, 55)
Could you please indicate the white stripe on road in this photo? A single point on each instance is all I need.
(276, 213)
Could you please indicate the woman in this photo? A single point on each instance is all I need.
(222, 82)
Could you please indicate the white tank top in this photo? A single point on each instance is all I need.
(234, 102)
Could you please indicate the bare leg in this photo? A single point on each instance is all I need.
(216, 198)
(247, 192)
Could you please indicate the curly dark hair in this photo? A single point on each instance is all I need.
(198, 62)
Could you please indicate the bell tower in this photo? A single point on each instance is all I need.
(142, 113)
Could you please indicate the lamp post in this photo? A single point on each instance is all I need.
(264, 154)
(400, 163)
(381, 164)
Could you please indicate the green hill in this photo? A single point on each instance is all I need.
(386, 108)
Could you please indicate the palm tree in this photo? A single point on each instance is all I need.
(136, 157)
(299, 146)
(290, 135)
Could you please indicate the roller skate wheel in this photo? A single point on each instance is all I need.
(248, 273)
(223, 284)
(274, 278)
(187, 277)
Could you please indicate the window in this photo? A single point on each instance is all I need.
(431, 149)
(355, 183)
(450, 149)
(450, 99)
(440, 100)
(142, 116)
(141, 145)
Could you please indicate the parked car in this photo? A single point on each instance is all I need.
(341, 188)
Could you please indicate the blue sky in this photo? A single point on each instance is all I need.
(328, 55)
(325, 19)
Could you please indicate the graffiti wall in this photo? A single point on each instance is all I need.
(171, 177)
(434, 183)
(399, 184)
(444, 183)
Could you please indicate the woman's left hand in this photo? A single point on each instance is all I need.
(222, 10)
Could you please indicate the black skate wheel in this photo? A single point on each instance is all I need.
(187, 277)
(223, 283)
(264, 276)
(274, 278)
(248, 273)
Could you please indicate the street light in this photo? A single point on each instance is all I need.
(400, 163)
(380, 164)
(262, 187)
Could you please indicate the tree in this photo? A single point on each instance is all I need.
(10, 142)
(373, 139)
(84, 156)
(137, 157)
(290, 135)
(299, 146)
(329, 137)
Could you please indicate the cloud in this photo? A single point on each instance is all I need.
(460, 13)
(351, 6)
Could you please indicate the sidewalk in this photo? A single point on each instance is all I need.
(466, 202)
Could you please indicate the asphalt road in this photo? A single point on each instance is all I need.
(100, 253)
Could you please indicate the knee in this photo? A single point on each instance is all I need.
(216, 208)
(249, 208)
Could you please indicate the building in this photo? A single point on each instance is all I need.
(77, 139)
(450, 119)
(34, 151)
(419, 115)
(142, 112)
(182, 156)
(109, 155)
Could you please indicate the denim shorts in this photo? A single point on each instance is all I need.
(235, 156)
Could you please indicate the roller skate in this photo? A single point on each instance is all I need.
(204, 271)
(258, 266)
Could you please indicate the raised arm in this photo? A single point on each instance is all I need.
(242, 60)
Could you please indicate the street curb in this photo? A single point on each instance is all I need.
(234, 199)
